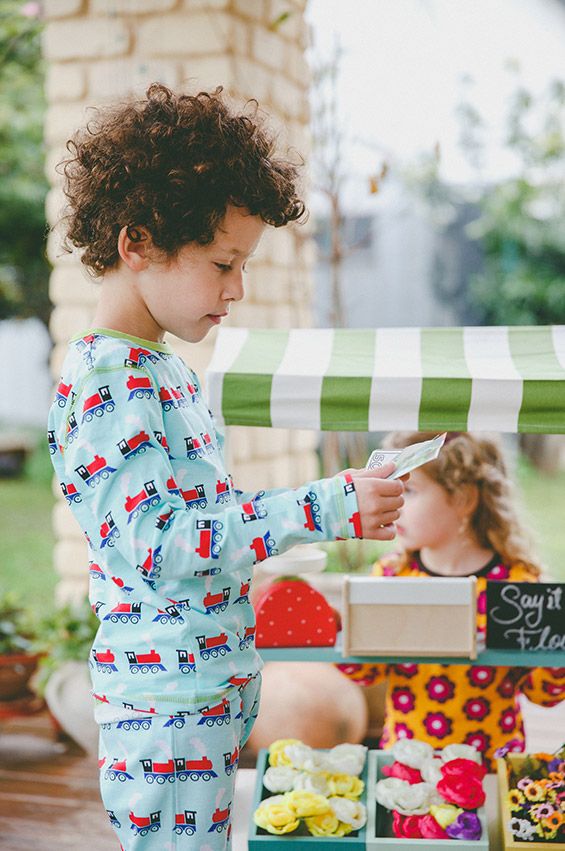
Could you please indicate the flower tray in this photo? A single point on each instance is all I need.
(511, 844)
(260, 840)
(378, 835)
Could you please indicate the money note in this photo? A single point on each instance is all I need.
(406, 459)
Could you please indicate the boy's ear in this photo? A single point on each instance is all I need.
(134, 245)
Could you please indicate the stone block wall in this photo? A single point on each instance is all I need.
(98, 51)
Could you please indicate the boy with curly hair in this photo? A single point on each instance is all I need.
(168, 198)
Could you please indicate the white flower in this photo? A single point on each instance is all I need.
(347, 759)
(349, 812)
(299, 755)
(521, 828)
(460, 752)
(279, 778)
(411, 752)
(387, 789)
(416, 799)
(306, 781)
(430, 770)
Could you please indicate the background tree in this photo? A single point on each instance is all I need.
(24, 270)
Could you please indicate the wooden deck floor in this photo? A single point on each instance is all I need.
(49, 798)
(49, 795)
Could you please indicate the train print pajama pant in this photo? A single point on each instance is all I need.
(168, 782)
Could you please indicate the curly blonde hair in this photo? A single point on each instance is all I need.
(468, 459)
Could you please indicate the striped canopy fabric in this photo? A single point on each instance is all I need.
(509, 379)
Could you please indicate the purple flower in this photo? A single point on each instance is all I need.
(465, 826)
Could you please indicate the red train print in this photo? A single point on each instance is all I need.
(98, 404)
(140, 387)
(136, 445)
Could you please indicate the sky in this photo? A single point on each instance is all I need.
(403, 66)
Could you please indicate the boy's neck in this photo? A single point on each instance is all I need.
(121, 309)
(456, 558)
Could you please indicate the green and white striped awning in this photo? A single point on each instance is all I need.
(508, 379)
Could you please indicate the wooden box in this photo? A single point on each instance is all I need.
(260, 840)
(511, 844)
(377, 817)
(389, 616)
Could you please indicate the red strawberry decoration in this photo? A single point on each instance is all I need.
(290, 613)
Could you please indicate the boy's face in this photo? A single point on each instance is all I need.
(189, 294)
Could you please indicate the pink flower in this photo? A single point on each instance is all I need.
(403, 772)
(479, 739)
(507, 720)
(440, 688)
(403, 700)
(406, 670)
(465, 768)
(403, 731)
(480, 676)
(476, 708)
(406, 827)
(430, 829)
(498, 572)
(506, 687)
(437, 725)
(482, 602)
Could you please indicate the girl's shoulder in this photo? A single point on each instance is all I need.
(394, 564)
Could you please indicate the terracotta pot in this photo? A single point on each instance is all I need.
(15, 672)
(309, 701)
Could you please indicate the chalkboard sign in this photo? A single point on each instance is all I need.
(526, 615)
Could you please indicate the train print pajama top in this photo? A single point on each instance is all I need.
(171, 548)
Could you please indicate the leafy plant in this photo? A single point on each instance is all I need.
(24, 270)
(66, 634)
(16, 633)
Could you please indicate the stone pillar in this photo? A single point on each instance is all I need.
(101, 50)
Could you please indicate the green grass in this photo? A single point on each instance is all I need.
(26, 536)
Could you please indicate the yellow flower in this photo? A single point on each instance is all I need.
(277, 818)
(277, 756)
(534, 792)
(515, 799)
(307, 804)
(343, 829)
(322, 825)
(445, 814)
(346, 785)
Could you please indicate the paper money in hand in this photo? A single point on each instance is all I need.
(406, 459)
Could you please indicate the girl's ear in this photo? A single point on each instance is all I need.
(467, 500)
(134, 245)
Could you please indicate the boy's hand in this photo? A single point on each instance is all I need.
(379, 500)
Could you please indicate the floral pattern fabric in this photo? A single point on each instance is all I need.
(476, 705)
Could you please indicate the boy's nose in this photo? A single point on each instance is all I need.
(234, 290)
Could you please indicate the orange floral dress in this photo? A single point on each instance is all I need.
(445, 704)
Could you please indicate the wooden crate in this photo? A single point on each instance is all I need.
(409, 616)
(511, 844)
(377, 816)
(260, 840)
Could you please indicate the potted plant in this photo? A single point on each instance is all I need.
(18, 658)
(65, 637)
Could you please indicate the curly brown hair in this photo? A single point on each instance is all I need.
(171, 163)
(470, 459)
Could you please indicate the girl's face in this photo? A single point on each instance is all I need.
(429, 518)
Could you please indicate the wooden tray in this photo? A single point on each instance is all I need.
(377, 817)
(511, 844)
(260, 840)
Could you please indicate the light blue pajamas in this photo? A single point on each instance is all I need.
(168, 781)
(171, 543)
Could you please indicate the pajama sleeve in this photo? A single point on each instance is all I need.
(142, 508)
(544, 686)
